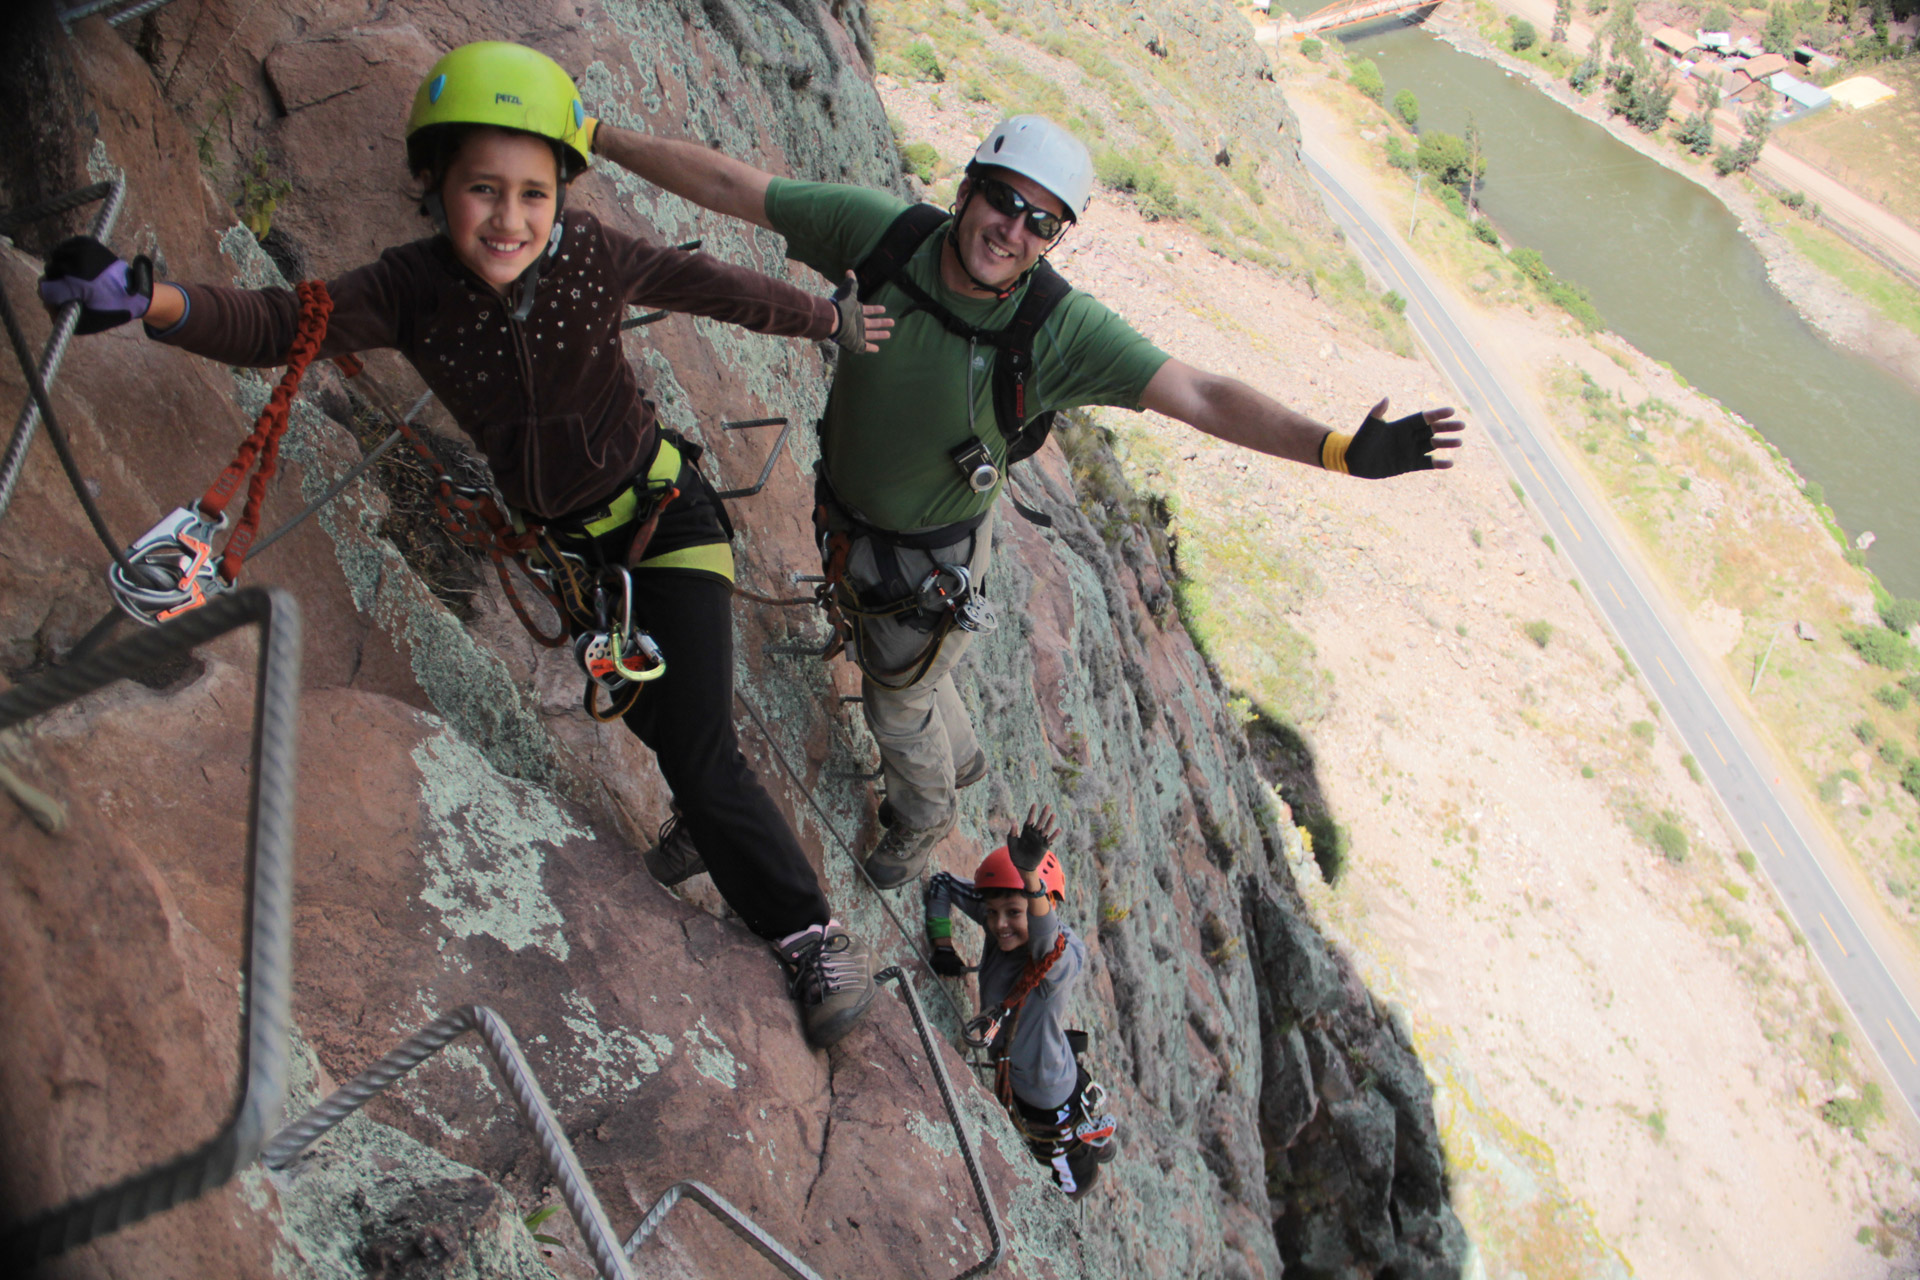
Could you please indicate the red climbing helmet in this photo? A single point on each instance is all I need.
(997, 872)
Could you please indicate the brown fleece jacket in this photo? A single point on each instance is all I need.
(552, 400)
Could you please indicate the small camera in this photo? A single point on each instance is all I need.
(976, 465)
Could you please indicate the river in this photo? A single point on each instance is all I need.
(1671, 272)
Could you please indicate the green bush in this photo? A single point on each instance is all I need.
(1910, 777)
(1670, 840)
(1855, 1114)
(1521, 35)
(920, 159)
(1693, 768)
(1695, 133)
(1900, 615)
(1407, 107)
(1540, 631)
(1449, 159)
(1483, 232)
(1581, 78)
(1881, 647)
(1718, 18)
(1864, 730)
(1397, 154)
(923, 62)
(1366, 78)
(1531, 265)
(1643, 730)
(1891, 753)
(1154, 195)
(1454, 202)
(1576, 302)
(1395, 303)
(1892, 697)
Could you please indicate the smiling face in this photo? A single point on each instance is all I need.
(997, 247)
(499, 195)
(1006, 921)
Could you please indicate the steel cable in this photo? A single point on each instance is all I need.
(267, 924)
(582, 1203)
(64, 323)
(16, 218)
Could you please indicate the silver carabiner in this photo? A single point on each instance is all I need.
(173, 568)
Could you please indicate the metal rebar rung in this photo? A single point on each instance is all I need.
(731, 1218)
(266, 966)
(802, 648)
(588, 1214)
(648, 318)
(64, 323)
(773, 454)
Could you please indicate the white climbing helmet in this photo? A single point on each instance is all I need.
(1037, 148)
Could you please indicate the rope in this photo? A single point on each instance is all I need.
(64, 323)
(263, 445)
(267, 928)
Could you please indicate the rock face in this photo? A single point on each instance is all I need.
(467, 836)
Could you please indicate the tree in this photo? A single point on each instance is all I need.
(1407, 107)
(1719, 19)
(1781, 32)
(1741, 158)
(1642, 97)
(1581, 78)
(1447, 158)
(1562, 19)
(1476, 163)
(1695, 133)
(1521, 35)
(1366, 78)
(1622, 31)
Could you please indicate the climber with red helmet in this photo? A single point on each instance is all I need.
(511, 314)
(1026, 974)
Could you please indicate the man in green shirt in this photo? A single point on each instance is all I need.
(914, 451)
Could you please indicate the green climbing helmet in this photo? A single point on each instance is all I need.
(508, 86)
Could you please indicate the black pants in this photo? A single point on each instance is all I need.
(1070, 1160)
(686, 717)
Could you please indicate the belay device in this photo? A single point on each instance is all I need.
(616, 655)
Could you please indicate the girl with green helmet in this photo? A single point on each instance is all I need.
(511, 315)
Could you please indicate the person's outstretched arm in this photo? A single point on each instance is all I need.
(693, 172)
(1233, 411)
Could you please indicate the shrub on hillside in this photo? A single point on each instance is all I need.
(1581, 78)
(1310, 49)
(1540, 631)
(1892, 697)
(919, 159)
(1881, 647)
(1670, 840)
(1407, 107)
(1521, 35)
(1397, 154)
(923, 62)
(1900, 615)
(1449, 159)
(1531, 265)
(1366, 78)
(1910, 777)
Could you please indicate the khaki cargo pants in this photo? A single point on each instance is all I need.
(923, 730)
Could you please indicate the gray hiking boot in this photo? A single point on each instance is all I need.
(831, 976)
(968, 774)
(903, 851)
(673, 857)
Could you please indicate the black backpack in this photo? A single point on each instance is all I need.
(1045, 290)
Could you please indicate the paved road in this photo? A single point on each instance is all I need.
(1771, 822)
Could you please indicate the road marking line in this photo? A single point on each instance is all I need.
(1669, 675)
(1903, 1043)
(1836, 937)
(1616, 596)
(1536, 471)
(1770, 835)
(1723, 759)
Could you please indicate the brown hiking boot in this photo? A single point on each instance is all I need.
(903, 851)
(968, 774)
(831, 976)
(673, 857)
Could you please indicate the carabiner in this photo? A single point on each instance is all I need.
(175, 567)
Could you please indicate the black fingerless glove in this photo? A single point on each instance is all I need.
(1380, 448)
(948, 964)
(1027, 847)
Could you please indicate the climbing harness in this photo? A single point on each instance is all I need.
(170, 569)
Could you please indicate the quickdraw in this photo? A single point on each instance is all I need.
(170, 569)
(606, 653)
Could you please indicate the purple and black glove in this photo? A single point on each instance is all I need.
(110, 292)
(948, 963)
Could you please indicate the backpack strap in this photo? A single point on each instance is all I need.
(898, 243)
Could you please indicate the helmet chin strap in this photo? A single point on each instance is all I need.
(999, 294)
(529, 282)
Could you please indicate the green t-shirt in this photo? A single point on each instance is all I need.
(893, 417)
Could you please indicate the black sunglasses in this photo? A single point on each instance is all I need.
(1005, 199)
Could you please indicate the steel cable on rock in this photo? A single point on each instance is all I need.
(267, 925)
(64, 323)
(588, 1214)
